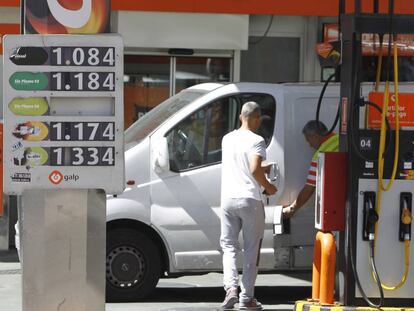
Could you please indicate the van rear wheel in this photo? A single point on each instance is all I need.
(133, 265)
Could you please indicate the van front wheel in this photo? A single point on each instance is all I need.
(133, 265)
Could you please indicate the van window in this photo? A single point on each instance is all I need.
(196, 141)
(150, 121)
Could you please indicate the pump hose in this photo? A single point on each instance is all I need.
(373, 267)
(379, 66)
(378, 73)
(318, 107)
(383, 128)
(381, 186)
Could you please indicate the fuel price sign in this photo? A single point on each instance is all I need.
(63, 111)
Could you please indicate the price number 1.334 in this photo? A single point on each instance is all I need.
(82, 156)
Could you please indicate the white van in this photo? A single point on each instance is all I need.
(167, 220)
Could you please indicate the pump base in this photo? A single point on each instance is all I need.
(313, 306)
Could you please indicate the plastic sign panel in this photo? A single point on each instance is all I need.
(63, 112)
(66, 16)
(405, 109)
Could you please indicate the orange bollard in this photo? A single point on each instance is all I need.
(316, 273)
(1, 170)
(323, 272)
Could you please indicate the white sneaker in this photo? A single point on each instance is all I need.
(232, 297)
(252, 304)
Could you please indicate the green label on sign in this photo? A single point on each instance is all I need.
(29, 81)
(31, 106)
(35, 156)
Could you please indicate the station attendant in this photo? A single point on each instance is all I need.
(315, 134)
(241, 206)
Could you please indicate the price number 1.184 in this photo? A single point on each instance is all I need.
(83, 81)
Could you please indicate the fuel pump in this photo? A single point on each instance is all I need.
(377, 136)
(376, 246)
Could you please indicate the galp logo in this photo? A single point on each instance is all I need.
(66, 16)
(56, 177)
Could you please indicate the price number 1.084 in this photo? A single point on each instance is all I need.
(83, 56)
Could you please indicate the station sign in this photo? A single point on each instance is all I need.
(66, 16)
(63, 112)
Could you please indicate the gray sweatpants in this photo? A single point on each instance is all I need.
(246, 215)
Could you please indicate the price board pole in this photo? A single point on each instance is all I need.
(63, 151)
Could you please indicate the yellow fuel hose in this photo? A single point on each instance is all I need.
(381, 186)
(377, 76)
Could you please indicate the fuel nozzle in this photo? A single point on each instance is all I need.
(370, 216)
(406, 217)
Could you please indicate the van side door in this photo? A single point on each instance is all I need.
(186, 200)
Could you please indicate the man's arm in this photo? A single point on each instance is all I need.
(258, 173)
(304, 195)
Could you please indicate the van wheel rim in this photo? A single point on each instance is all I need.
(125, 267)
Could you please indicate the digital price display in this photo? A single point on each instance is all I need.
(82, 56)
(63, 81)
(63, 131)
(64, 56)
(82, 81)
(57, 121)
(79, 131)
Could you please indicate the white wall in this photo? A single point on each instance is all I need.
(302, 27)
(182, 30)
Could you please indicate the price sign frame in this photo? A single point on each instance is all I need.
(47, 150)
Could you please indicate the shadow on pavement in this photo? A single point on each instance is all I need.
(9, 256)
(265, 294)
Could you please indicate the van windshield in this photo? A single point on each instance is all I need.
(154, 118)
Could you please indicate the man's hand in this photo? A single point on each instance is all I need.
(289, 210)
(266, 167)
(258, 173)
(271, 189)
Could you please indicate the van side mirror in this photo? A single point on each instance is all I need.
(161, 159)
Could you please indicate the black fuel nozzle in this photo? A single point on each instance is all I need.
(371, 221)
(405, 215)
(362, 102)
(370, 216)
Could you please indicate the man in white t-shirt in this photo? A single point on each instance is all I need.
(241, 206)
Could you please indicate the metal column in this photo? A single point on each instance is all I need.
(63, 250)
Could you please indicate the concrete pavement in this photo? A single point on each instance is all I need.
(189, 293)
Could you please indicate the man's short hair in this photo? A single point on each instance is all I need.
(249, 109)
(314, 127)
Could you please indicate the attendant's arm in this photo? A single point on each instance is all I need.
(303, 197)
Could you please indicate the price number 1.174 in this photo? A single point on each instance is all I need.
(80, 131)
